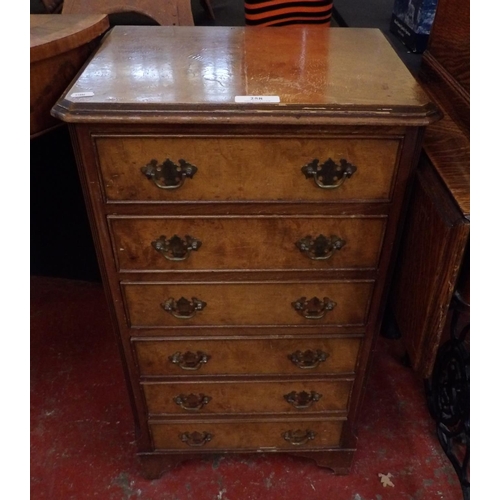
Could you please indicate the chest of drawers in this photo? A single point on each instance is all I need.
(245, 248)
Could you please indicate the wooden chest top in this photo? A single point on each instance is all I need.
(156, 74)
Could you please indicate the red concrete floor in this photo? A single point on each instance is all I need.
(82, 440)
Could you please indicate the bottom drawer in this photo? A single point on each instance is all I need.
(261, 436)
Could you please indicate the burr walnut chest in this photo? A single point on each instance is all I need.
(246, 188)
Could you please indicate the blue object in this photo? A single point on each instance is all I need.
(412, 21)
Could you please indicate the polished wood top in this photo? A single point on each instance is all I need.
(348, 75)
(53, 34)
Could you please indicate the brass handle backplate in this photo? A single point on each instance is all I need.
(183, 308)
(168, 175)
(298, 438)
(189, 360)
(302, 400)
(176, 248)
(313, 308)
(329, 175)
(308, 359)
(192, 402)
(195, 439)
(321, 247)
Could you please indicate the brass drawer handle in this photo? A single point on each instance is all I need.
(189, 360)
(298, 438)
(195, 439)
(302, 400)
(313, 308)
(168, 175)
(329, 175)
(176, 248)
(321, 247)
(308, 359)
(192, 402)
(183, 308)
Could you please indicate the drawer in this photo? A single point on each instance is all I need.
(226, 397)
(243, 243)
(239, 168)
(211, 304)
(263, 436)
(244, 357)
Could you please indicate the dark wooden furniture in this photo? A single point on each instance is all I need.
(245, 247)
(430, 300)
(437, 228)
(59, 45)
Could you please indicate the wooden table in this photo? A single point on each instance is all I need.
(59, 45)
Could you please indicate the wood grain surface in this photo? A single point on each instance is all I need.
(437, 228)
(246, 357)
(240, 243)
(449, 42)
(261, 168)
(248, 397)
(445, 69)
(53, 34)
(247, 303)
(59, 46)
(141, 71)
(423, 287)
(262, 436)
(448, 148)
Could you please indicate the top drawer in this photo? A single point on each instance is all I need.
(135, 168)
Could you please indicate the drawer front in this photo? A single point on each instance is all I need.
(202, 304)
(232, 169)
(302, 396)
(256, 243)
(247, 435)
(245, 357)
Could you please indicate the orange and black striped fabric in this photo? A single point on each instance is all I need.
(287, 12)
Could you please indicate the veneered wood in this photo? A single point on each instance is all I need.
(445, 69)
(247, 303)
(59, 45)
(167, 12)
(346, 88)
(448, 148)
(247, 397)
(246, 357)
(53, 34)
(240, 168)
(259, 436)
(439, 212)
(453, 98)
(449, 42)
(240, 243)
(425, 283)
(170, 73)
